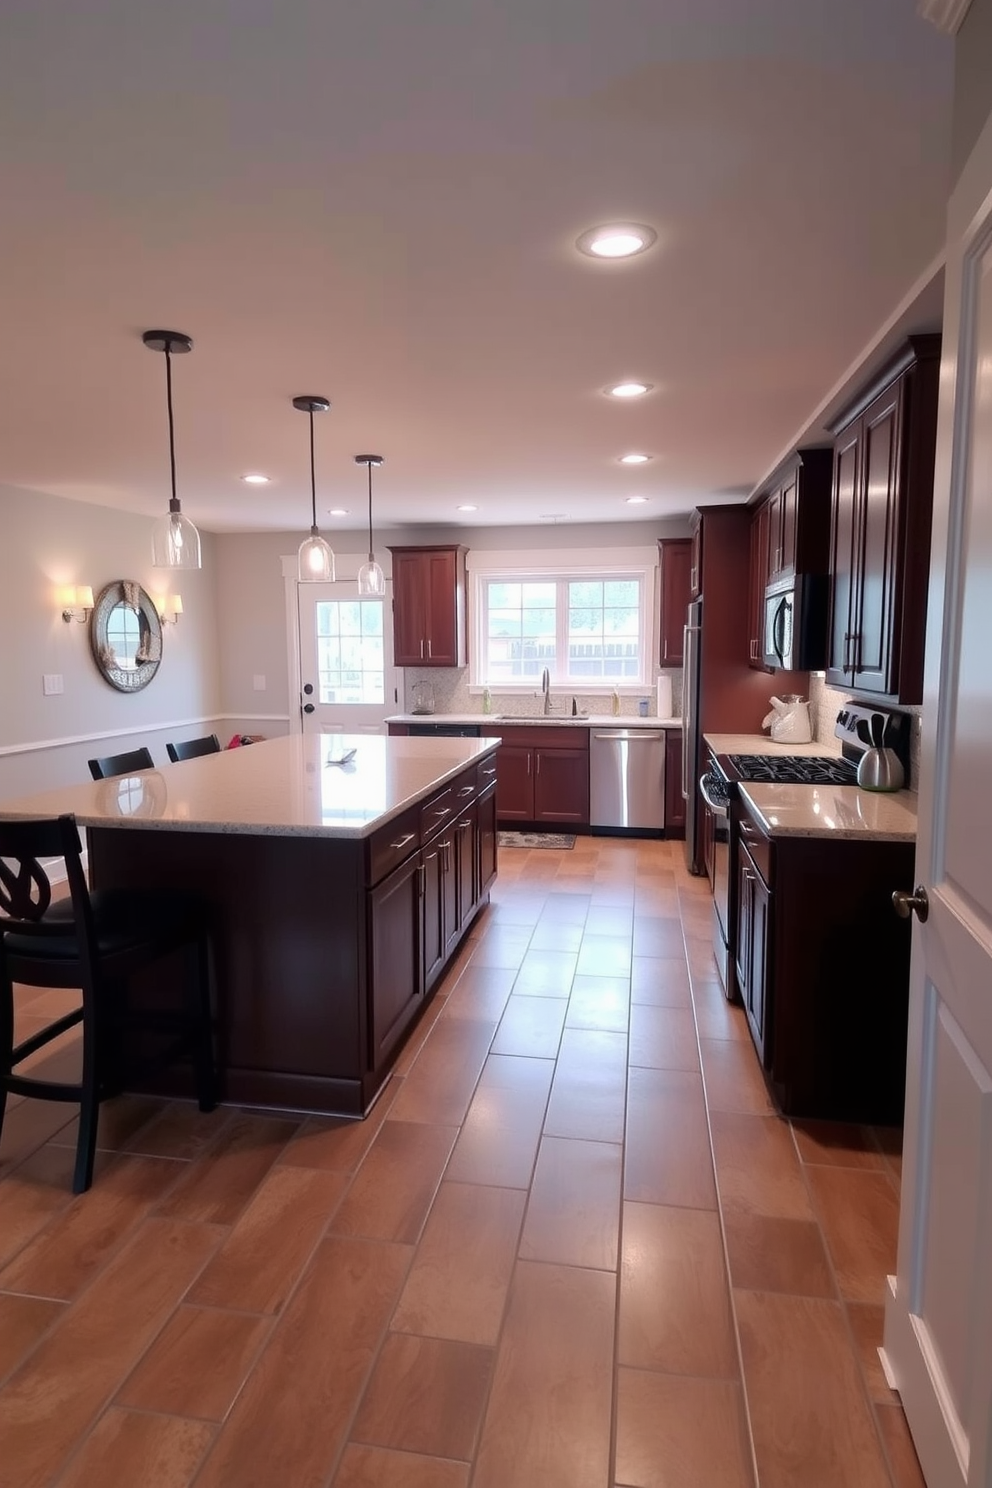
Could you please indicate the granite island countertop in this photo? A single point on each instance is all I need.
(282, 787)
(837, 812)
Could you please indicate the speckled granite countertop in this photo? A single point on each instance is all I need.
(763, 744)
(834, 811)
(282, 787)
(550, 720)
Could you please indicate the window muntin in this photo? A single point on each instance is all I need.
(350, 655)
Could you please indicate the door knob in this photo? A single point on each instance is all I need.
(308, 707)
(905, 903)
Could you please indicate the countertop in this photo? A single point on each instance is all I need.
(551, 720)
(834, 811)
(764, 744)
(281, 787)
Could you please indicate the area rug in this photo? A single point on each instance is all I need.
(537, 839)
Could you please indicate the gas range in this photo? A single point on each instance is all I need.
(856, 726)
(817, 769)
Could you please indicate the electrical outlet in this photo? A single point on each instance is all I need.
(258, 682)
(52, 684)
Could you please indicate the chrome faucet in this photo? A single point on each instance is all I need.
(546, 689)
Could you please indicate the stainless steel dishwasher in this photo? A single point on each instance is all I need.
(627, 779)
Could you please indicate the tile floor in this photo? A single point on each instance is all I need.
(572, 1247)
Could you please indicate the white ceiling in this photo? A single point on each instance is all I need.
(379, 201)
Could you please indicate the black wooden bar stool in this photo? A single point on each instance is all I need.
(121, 764)
(95, 941)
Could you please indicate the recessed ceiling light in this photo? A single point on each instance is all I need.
(467, 508)
(256, 480)
(616, 240)
(629, 389)
(636, 500)
(634, 459)
(339, 511)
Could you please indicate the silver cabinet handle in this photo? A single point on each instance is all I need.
(402, 841)
(429, 655)
(467, 790)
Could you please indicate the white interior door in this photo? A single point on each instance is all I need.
(347, 677)
(938, 1326)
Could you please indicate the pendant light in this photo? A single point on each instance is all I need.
(371, 579)
(175, 541)
(316, 561)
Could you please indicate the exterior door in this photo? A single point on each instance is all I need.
(938, 1326)
(347, 678)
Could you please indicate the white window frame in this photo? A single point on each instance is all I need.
(559, 567)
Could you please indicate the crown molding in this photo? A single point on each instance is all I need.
(946, 15)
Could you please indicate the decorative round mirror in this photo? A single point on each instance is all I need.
(126, 636)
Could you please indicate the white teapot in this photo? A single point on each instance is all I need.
(789, 720)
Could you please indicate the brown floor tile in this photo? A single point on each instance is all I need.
(181, 1129)
(674, 1304)
(23, 1321)
(599, 1002)
(425, 1395)
(767, 1254)
(616, 919)
(531, 1026)
(663, 1038)
(557, 935)
(197, 1364)
(49, 1403)
(28, 1126)
(604, 955)
(589, 1088)
(154, 1451)
(546, 973)
(573, 1214)
(502, 945)
(757, 1170)
(481, 992)
(566, 908)
(500, 1135)
(733, 1079)
(32, 1195)
(419, 1036)
(395, 1186)
(675, 1432)
(810, 1417)
(836, 1144)
(667, 1156)
(335, 1144)
(660, 981)
(119, 1122)
(656, 936)
(859, 1212)
(260, 1261)
(716, 1018)
(867, 1322)
(439, 1087)
(373, 1467)
(459, 1279)
(548, 1421)
(326, 1338)
(220, 1184)
(76, 1244)
(906, 1470)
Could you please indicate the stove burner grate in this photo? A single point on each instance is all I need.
(815, 769)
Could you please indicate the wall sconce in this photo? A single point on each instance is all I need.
(78, 603)
(169, 607)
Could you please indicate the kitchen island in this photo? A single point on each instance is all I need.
(341, 889)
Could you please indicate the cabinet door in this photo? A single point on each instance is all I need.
(674, 801)
(561, 786)
(745, 922)
(487, 841)
(774, 534)
(434, 937)
(442, 600)
(466, 874)
(394, 956)
(409, 615)
(675, 562)
(788, 508)
(696, 560)
(450, 928)
(759, 970)
(844, 550)
(758, 579)
(873, 627)
(515, 783)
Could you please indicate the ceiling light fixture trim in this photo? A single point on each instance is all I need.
(315, 564)
(175, 540)
(615, 240)
(630, 389)
(371, 579)
(634, 459)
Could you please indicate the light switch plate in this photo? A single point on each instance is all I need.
(258, 682)
(52, 684)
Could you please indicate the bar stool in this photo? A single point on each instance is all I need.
(193, 748)
(121, 764)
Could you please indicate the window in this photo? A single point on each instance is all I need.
(350, 663)
(589, 630)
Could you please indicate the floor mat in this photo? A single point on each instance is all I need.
(537, 839)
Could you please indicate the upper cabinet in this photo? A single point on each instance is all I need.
(429, 607)
(675, 560)
(695, 555)
(790, 533)
(880, 531)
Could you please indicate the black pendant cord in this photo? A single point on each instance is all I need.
(371, 553)
(174, 502)
(313, 484)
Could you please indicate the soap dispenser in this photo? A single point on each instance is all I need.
(615, 703)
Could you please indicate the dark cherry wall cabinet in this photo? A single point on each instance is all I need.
(429, 607)
(675, 562)
(880, 533)
(790, 533)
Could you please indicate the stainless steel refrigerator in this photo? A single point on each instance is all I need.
(692, 733)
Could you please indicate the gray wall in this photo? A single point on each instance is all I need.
(972, 81)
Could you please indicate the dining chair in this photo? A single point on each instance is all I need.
(121, 764)
(95, 942)
(193, 748)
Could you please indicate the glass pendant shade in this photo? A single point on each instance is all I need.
(315, 564)
(371, 580)
(175, 540)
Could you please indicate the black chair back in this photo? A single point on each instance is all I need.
(121, 764)
(193, 748)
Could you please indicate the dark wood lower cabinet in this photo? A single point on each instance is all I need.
(395, 950)
(753, 906)
(674, 800)
(542, 775)
(488, 838)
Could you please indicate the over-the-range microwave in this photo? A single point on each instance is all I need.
(795, 628)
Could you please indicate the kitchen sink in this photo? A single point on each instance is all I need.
(538, 717)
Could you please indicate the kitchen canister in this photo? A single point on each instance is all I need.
(664, 696)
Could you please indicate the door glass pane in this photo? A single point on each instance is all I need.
(350, 659)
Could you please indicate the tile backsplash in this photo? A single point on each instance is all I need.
(451, 695)
(826, 702)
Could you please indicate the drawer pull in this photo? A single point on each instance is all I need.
(402, 841)
(442, 811)
(488, 769)
(467, 790)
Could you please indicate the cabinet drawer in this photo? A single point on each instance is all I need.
(485, 774)
(392, 843)
(436, 812)
(759, 846)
